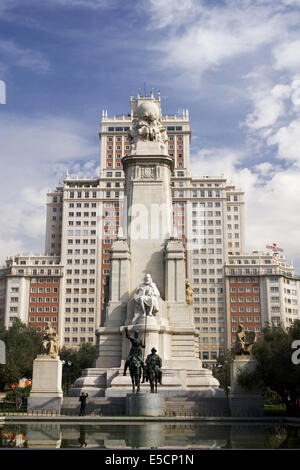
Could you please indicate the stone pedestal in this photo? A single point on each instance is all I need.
(148, 222)
(150, 436)
(242, 401)
(145, 404)
(43, 435)
(46, 392)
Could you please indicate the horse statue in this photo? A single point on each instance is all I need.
(135, 368)
(153, 370)
(135, 361)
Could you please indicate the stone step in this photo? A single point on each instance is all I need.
(173, 406)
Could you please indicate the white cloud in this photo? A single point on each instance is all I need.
(265, 169)
(271, 210)
(43, 139)
(267, 110)
(24, 57)
(268, 106)
(9, 247)
(296, 94)
(202, 36)
(35, 153)
(272, 198)
(214, 161)
(169, 12)
(275, 120)
(288, 141)
(287, 55)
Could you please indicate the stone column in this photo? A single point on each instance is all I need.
(149, 215)
(109, 343)
(46, 392)
(242, 401)
(174, 270)
(119, 283)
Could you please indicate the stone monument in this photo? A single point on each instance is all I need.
(244, 402)
(147, 287)
(46, 392)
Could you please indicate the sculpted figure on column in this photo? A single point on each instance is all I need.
(188, 292)
(50, 342)
(146, 296)
(146, 126)
(244, 341)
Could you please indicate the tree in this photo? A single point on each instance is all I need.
(75, 361)
(275, 369)
(221, 371)
(22, 345)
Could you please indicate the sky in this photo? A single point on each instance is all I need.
(235, 64)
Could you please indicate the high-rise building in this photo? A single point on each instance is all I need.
(30, 290)
(261, 288)
(84, 217)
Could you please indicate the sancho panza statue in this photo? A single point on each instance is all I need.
(154, 363)
(146, 296)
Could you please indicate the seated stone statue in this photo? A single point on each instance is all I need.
(50, 342)
(244, 341)
(146, 296)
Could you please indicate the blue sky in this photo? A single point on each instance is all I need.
(235, 64)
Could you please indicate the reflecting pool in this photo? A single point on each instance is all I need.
(158, 435)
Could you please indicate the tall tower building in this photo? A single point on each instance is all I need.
(85, 216)
(148, 249)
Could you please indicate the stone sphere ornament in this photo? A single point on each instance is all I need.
(148, 110)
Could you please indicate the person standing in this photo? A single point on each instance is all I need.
(82, 400)
(24, 401)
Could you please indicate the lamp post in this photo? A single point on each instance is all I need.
(67, 365)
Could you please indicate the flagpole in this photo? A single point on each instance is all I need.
(145, 336)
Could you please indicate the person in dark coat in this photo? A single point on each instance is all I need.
(82, 400)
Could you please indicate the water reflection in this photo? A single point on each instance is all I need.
(150, 435)
(82, 436)
(13, 436)
(47, 435)
(283, 437)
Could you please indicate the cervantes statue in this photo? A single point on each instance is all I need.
(146, 296)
